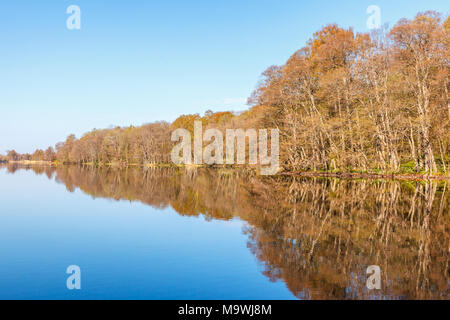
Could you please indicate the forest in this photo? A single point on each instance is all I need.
(346, 102)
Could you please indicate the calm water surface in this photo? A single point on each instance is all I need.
(216, 234)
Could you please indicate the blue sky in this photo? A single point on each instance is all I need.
(134, 62)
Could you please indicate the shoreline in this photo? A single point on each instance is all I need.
(372, 176)
(310, 174)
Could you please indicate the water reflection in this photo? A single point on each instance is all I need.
(316, 235)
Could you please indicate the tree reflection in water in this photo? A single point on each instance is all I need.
(316, 235)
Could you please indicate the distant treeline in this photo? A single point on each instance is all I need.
(346, 101)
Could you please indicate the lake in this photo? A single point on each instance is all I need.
(173, 233)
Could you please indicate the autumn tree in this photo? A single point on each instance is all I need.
(422, 63)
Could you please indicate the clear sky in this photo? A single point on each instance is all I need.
(134, 62)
